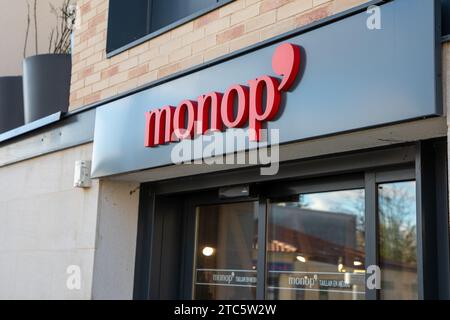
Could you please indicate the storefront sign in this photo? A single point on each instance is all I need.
(171, 124)
(350, 77)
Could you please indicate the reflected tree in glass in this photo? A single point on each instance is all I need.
(397, 240)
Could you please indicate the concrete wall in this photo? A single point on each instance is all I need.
(234, 26)
(116, 241)
(13, 24)
(46, 225)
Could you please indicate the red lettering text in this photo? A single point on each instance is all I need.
(233, 109)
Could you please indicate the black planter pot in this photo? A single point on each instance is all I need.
(11, 103)
(46, 85)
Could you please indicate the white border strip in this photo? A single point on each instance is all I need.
(324, 290)
(226, 270)
(224, 285)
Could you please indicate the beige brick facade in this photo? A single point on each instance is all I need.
(234, 26)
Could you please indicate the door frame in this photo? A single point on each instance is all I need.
(192, 201)
(425, 161)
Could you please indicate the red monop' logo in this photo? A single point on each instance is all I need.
(170, 124)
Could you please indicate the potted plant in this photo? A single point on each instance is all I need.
(46, 77)
(11, 103)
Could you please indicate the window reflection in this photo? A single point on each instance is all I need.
(316, 247)
(226, 251)
(397, 229)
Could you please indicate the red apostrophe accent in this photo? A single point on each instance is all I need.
(227, 108)
(257, 113)
(214, 111)
(286, 63)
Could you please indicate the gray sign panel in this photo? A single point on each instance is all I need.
(352, 78)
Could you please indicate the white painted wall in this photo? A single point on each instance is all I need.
(46, 225)
(13, 23)
(116, 241)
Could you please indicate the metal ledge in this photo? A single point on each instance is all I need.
(347, 143)
(30, 127)
(47, 137)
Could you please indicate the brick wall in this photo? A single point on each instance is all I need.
(232, 27)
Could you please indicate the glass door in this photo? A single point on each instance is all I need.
(397, 240)
(316, 246)
(351, 227)
(226, 251)
(320, 236)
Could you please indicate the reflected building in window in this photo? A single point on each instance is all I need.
(317, 254)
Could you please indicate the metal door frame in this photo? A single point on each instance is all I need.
(423, 161)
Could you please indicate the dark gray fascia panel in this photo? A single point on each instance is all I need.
(353, 78)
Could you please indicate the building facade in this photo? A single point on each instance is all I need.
(336, 187)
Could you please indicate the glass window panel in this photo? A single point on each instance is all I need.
(397, 243)
(226, 251)
(316, 247)
(165, 12)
